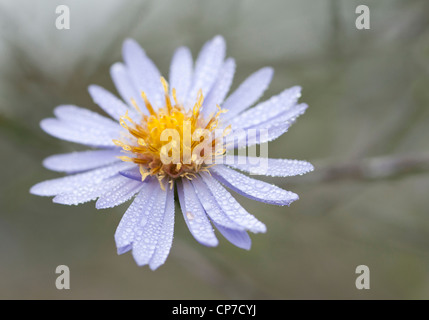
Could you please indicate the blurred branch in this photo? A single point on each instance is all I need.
(372, 168)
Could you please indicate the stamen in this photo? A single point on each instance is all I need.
(143, 141)
(167, 97)
(143, 173)
(121, 144)
(135, 105)
(147, 103)
(173, 91)
(125, 158)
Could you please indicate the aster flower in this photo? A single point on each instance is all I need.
(153, 147)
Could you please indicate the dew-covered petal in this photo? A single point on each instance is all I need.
(133, 173)
(81, 161)
(269, 167)
(144, 244)
(90, 191)
(144, 73)
(274, 107)
(207, 66)
(194, 214)
(211, 206)
(181, 73)
(248, 92)
(238, 238)
(265, 131)
(126, 88)
(119, 194)
(89, 136)
(131, 220)
(231, 207)
(80, 125)
(77, 116)
(251, 188)
(220, 88)
(107, 101)
(165, 239)
(288, 117)
(69, 183)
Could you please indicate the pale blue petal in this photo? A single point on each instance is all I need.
(133, 173)
(69, 183)
(220, 88)
(165, 239)
(207, 67)
(81, 161)
(231, 207)
(211, 206)
(90, 191)
(107, 101)
(264, 132)
(251, 188)
(238, 238)
(181, 73)
(127, 89)
(132, 219)
(248, 92)
(272, 108)
(81, 117)
(119, 194)
(146, 238)
(144, 73)
(90, 136)
(194, 214)
(275, 167)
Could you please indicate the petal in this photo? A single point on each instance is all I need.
(194, 214)
(181, 73)
(220, 88)
(119, 194)
(82, 126)
(133, 173)
(207, 67)
(131, 220)
(69, 183)
(274, 167)
(248, 92)
(146, 238)
(113, 106)
(265, 131)
(81, 161)
(270, 109)
(126, 88)
(77, 116)
(237, 237)
(231, 207)
(211, 206)
(165, 239)
(90, 191)
(251, 188)
(86, 135)
(144, 73)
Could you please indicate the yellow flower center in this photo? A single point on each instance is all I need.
(172, 142)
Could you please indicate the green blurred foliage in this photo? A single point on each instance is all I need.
(366, 131)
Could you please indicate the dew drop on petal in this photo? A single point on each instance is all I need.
(189, 215)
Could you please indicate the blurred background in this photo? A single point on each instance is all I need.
(366, 132)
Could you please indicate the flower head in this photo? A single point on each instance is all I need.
(167, 136)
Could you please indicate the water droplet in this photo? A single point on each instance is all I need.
(189, 215)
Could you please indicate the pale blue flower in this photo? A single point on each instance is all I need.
(127, 160)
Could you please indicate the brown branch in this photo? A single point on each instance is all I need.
(372, 168)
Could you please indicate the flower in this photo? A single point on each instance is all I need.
(154, 147)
